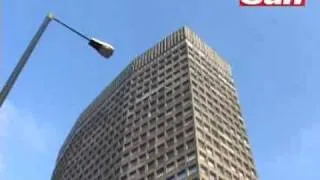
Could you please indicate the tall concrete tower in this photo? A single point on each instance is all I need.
(173, 113)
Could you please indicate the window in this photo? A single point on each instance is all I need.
(189, 130)
(170, 131)
(170, 166)
(126, 155)
(182, 175)
(134, 151)
(191, 156)
(228, 174)
(208, 138)
(135, 140)
(152, 152)
(142, 157)
(141, 170)
(161, 125)
(169, 101)
(220, 168)
(192, 169)
(152, 142)
(169, 69)
(175, 58)
(125, 167)
(203, 169)
(207, 128)
(134, 162)
(181, 160)
(190, 143)
(188, 119)
(241, 175)
(143, 146)
(209, 151)
(180, 149)
(212, 176)
(170, 154)
(211, 163)
(132, 174)
(127, 145)
(202, 156)
(161, 148)
(144, 126)
(151, 165)
(202, 144)
(160, 107)
(170, 142)
(144, 136)
(151, 176)
(178, 115)
(187, 109)
(160, 160)
(160, 172)
(179, 125)
(160, 136)
(152, 131)
(179, 136)
(253, 173)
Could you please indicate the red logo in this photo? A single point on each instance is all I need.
(294, 3)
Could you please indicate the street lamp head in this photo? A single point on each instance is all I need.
(103, 48)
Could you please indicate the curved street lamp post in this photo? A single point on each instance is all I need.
(103, 48)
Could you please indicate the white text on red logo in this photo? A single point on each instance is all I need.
(272, 2)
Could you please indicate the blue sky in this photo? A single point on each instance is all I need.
(274, 53)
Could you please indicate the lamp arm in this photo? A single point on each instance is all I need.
(71, 29)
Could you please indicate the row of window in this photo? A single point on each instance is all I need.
(209, 173)
(163, 171)
(216, 81)
(170, 159)
(210, 152)
(232, 141)
(209, 95)
(207, 61)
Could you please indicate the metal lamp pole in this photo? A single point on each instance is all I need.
(103, 48)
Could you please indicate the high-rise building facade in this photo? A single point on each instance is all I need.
(173, 113)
